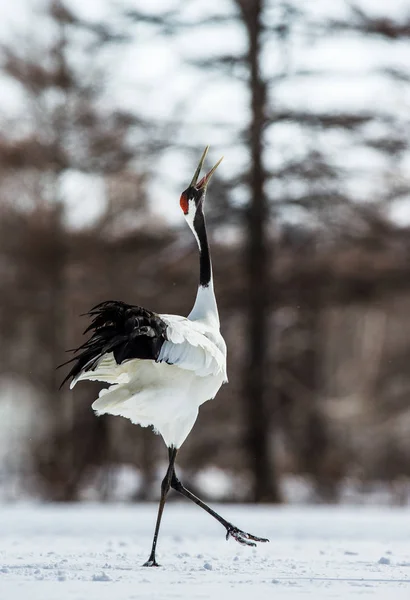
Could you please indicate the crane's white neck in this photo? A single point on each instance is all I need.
(205, 307)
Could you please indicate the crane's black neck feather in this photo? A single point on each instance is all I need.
(205, 268)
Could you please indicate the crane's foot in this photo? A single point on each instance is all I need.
(246, 539)
(151, 562)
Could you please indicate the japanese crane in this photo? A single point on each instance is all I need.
(161, 368)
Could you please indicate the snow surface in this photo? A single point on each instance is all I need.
(82, 552)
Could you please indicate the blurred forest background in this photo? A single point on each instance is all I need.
(309, 218)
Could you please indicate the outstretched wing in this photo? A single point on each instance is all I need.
(120, 332)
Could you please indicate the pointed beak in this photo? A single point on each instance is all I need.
(200, 185)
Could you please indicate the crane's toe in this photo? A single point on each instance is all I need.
(246, 539)
(151, 563)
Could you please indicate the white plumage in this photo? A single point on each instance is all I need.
(166, 393)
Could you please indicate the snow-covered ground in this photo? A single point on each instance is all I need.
(82, 552)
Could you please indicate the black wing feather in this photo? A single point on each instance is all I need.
(126, 330)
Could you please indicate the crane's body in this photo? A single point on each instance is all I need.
(161, 368)
(165, 392)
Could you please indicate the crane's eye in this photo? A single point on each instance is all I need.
(183, 202)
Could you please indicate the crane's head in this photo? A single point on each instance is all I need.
(193, 197)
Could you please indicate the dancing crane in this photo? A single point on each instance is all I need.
(161, 368)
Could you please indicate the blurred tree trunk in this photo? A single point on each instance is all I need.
(257, 264)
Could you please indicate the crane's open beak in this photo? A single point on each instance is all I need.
(200, 185)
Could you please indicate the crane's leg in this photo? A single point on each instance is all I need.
(165, 485)
(240, 536)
